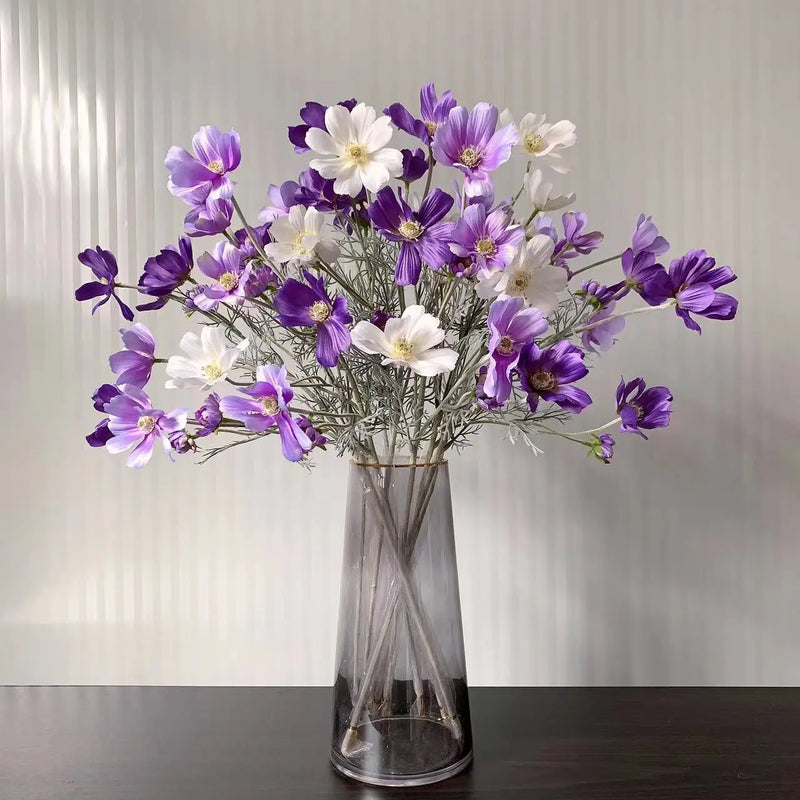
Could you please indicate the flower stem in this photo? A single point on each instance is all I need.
(665, 304)
(596, 264)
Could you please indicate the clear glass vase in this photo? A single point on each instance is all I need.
(401, 711)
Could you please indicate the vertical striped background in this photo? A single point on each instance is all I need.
(678, 564)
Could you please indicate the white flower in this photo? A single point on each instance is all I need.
(539, 192)
(543, 139)
(207, 360)
(356, 140)
(407, 341)
(529, 275)
(297, 237)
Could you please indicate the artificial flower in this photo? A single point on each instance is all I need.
(540, 190)
(313, 115)
(542, 139)
(575, 242)
(101, 434)
(602, 332)
(548, 374)
(645, 277)
(134, 363)
(602, 447)
(208, 360)
(164, 273)
(104, 265)
(486, 402)
(209, 218)
(208, 416)
(226, 266)
(647, 239)
(640, 407)
(433, 113)
(281, 199)
(408, 341)
(490, 239)
(415, 165)
(181, 442)
(314, 436)
(297, 238)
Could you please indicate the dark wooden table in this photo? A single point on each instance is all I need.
(132, 743)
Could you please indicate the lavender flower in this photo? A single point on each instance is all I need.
(468, 141)
(640, 407)
(602, 335)
(308, 305)
(695, 279)
(415, 165)
(104, 265)
(313, 115)
(135, 363)
(314, 436)
(422, 235)
(575, 242)
(226, 266)
(267, 405)
(597, 295)
(602, 447)
(317, 192)
(281, 199)
(101, 434)
(204, 175)
(181, 442)
(546, 374)
(644, 276)
(489, 239)
(135, 423)
(511, 327)
(164, 273)
(433, 113)
(380, 318)
(646, 238)
(209, 218)
(208, 416)
(481, 398)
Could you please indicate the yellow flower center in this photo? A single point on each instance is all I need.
(146, 424)
(485, 247)
(470, 157)
(228, 281)
(297, 244)
(506, 346)
(320, 311)
(356, 152)
(410, 229)
(212, 371)
(432, 127)
(216, 166)
(542, 381)
(532, 142)
(519, 283)
(270, 405)
(402, 349)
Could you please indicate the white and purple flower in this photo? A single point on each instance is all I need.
(208, 360)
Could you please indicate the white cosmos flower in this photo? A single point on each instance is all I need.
(407, 341)
(539, 192)
(298, 237)
(544, 139)
(207, 361)
(529, 275)
(356, 143)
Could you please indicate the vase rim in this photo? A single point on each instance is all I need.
(401, 462)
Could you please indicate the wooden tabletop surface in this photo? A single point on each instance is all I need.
(153, 743)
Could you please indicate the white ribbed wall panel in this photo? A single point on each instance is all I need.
(678, 564)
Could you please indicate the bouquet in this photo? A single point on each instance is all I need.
(387, 302)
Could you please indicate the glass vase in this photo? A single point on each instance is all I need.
(401, 711)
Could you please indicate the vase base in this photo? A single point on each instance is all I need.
(403, 751)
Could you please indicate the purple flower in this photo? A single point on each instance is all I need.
(313, 115)
(644, 276)
(481, 398)
(422, 235)
(204, 175)
(602, 335)
(544, 224)
(104, 395)
(640, 407)
(314, 436)
(646, 238)
(695, 279)
(433, 113)
(103, 264)
(546, 374)
(134, 364)
(511, 327)
(281, 199)
(575, 241)
(181, 442)
(164, 273)
(379, 318)
(489, 239)
(317, 192)
(305, 305)
(596, 294)
(209, 218)
(267, 405)
(135, 423)
(468, 141)
(208, 416)
(226, 266)
(189, 305)
(100, 435)
(602, 447)
(415, 165)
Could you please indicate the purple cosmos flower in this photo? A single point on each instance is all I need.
(489, 239)
(644, 276)
(315, 437)
(313, 115)
(103, 264)
(597, 295)
(317, 192)
(481, 398)
(267, 405)
(602, 335)
(181, 442)
(204, 175)
(208, 416)
(640, 407)
(511, 327)
(646, 238)
(380, 318)
(422, 235)
(468, 141)
(209, 218)
(305, 305)
(546, 374)
(575, 241)
(415, 165)
(433, 113)
(135, 363)
(101, 434)
(226, 266)
(544, 224)
(281, 199)
(695, 279)
(164, 273)
(135, 423)
(104, 395)
(602, 447)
